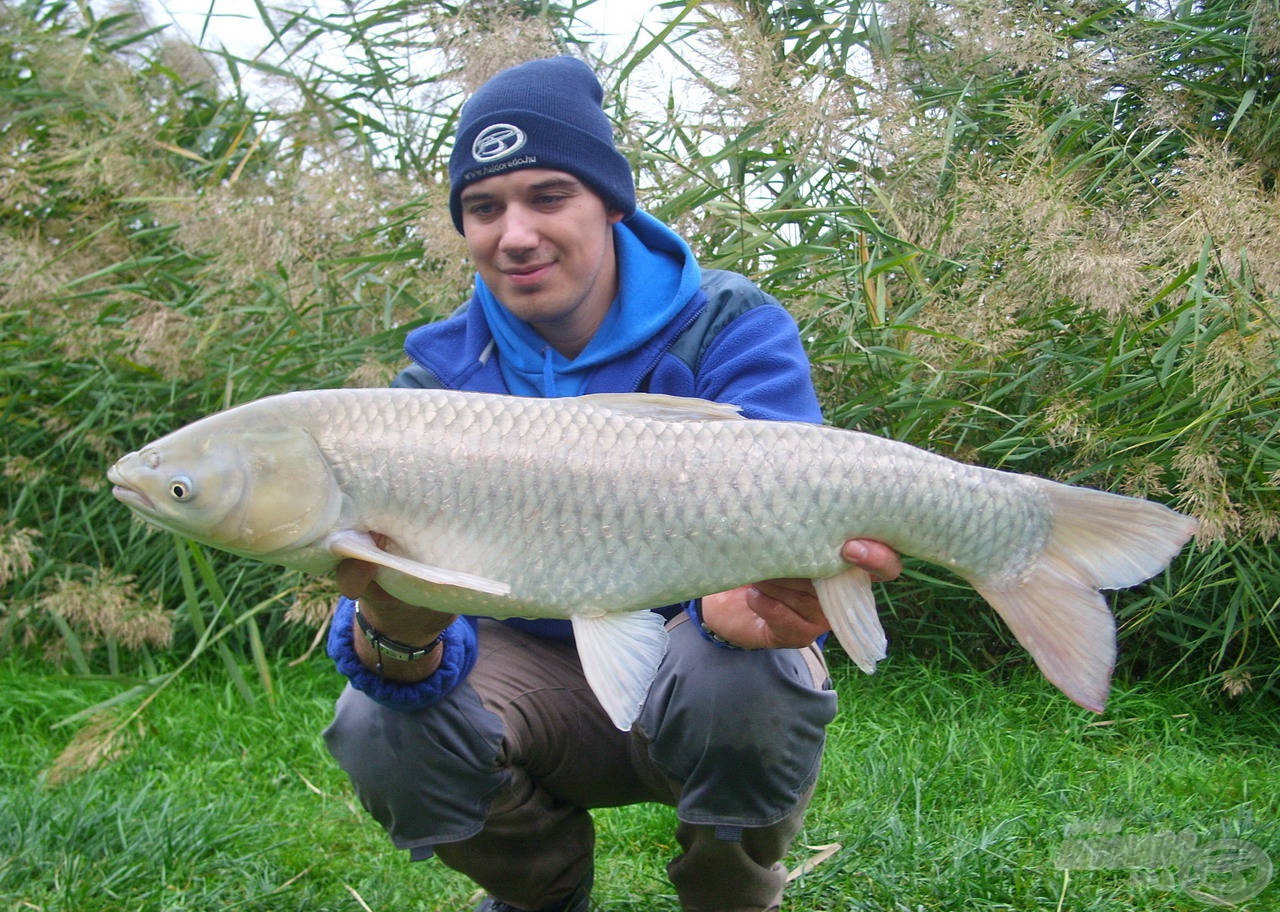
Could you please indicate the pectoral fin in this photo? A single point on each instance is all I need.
(620, 655)
(361, 546)
(850, 609)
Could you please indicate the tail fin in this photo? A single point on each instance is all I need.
(1098, 541)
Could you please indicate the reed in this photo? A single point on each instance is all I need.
(1039, 236)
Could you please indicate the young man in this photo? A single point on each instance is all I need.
(479, 741)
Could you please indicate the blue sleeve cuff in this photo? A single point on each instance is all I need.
(456, 662)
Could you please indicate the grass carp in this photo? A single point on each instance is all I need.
(594, 508)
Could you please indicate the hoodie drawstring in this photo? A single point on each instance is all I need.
(548, 373)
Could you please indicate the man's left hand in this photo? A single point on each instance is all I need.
(784, 613)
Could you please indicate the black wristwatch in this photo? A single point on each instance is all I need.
(401, 652)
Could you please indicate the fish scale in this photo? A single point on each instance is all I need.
(596, 508)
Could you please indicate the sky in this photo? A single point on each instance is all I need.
(237, 25)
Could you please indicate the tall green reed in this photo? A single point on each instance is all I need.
(1036, 237)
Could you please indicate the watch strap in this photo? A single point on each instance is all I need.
(394, 649)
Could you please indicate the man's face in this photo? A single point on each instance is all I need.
(543, 243)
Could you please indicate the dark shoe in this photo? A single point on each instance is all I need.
(579, 901)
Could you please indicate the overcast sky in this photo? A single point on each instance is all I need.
(237, 25)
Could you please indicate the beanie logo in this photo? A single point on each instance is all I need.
(497, 142)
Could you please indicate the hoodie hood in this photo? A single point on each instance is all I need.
(657, 275)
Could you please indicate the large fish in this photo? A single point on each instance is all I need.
(596, 507)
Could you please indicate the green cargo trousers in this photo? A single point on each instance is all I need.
(498, 779)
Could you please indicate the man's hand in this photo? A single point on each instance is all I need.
(785, 614)
(394, 619)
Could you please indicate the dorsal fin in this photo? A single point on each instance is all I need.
(664, 408)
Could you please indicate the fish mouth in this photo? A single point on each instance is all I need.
(132, 498)
(126, 493)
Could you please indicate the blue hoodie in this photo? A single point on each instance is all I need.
(725, 340)
(674, 329)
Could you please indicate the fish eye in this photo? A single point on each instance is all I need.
(181, 488)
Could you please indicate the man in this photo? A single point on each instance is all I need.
(479, 741)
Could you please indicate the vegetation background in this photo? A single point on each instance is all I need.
(1042, 236)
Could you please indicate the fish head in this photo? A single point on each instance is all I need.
(251, 490)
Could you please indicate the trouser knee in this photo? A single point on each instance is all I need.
(397, 761)
(743, 731)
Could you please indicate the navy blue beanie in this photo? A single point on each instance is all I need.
(540, 114)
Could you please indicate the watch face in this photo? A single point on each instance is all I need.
(398, 655)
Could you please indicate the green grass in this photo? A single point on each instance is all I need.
(945, 789)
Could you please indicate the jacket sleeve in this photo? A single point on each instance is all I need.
(756, 361)
(415, 376)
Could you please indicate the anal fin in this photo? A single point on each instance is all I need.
(620, 655)
(850, 609)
